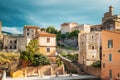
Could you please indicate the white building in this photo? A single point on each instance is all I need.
(68, 27)
(84, 28)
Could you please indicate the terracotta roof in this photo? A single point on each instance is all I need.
(29, 26)
(45, 34)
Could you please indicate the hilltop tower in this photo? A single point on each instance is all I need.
(111, 10)
(110, 21)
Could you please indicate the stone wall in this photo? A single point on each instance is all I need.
(71, 42)
(69, 66)
(92, 70)
(1, 74)
(38, 71)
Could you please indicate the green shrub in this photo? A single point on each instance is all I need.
(59, 61)
(34, 59)
(73, 57)
(96, 64)
(40, 60)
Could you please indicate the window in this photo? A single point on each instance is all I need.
(92, 36)
(27, 29)
(10, 41)
(6, 47)
(92, 47)
(48, 39)
(118, 75)
(27, 33)
(48, 49)
(110, 74)
(103, 65)
(15, 41)
(10, 47)
(110, 57)
(14, 47)
(110, 43)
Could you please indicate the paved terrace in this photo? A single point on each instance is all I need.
(60, 77)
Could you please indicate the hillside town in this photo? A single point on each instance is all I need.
(77, 49)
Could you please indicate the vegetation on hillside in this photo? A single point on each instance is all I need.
(73, 34)
(73, 57)
(8, 57)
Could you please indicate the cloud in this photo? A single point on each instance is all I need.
(13, 30)
(53, 12)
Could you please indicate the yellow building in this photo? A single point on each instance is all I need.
(47, 44)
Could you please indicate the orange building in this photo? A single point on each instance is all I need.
(110, 55)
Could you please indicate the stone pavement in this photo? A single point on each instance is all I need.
(60, 77)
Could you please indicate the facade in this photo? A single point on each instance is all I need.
(89, 47)
(110, 55)
(110, 21)
(84, 28)
(96, 28)
(47, 41)
(68, 27)
(31, 31)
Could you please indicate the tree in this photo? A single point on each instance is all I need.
(32, 55)
(33, 47)
(96, 64)
(59, 61)
(40, 60)
(43, 29)
(51, 29)
(73, 34)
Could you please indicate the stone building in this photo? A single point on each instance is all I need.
(84, 28)
(31, 31)
(68, 27)
(96, 28)
(14, 42)
(89, 47)
(110, 69)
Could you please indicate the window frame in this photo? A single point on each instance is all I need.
(110, 57)
(110, 43)
(48, 40)
(48, 49)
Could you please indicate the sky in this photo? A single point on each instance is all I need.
(14, 14)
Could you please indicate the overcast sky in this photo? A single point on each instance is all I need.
(14, 14)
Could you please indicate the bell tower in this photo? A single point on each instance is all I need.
(111, 10)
